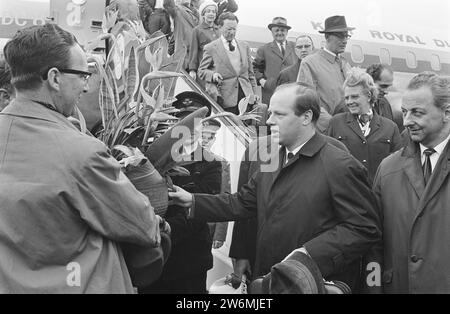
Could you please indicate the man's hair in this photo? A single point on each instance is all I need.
(376, 69)
(306, 98)
(306, 36)
(5, 77)
(34, 50)
(439, 86)
(357, 77)
(227, 16)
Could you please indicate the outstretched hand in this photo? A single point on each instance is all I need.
(181, 197)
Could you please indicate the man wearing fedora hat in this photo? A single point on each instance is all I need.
(326, 70)
(274, 57)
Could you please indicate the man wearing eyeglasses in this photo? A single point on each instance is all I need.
(304, 46)
(65, 205)
(326, 70)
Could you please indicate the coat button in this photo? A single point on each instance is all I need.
(364, 142)
(414, 259)
(364, 161)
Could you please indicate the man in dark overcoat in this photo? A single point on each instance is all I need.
(311, 196)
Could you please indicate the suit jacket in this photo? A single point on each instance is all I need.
(215, 59)
(383, 139)
(268, 64)
(415, 251)
(320, 199)
(290, 74)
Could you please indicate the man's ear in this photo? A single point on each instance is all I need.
(446, 109)
(308, 117)
(54, 79)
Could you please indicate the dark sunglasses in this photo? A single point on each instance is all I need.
(341, 35)
(85, 75)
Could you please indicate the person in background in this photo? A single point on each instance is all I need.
(383, 76)
(209, 131)
(326, 69)
(185, 271)
(225, 6)
(155, 15)
(6, 89)
(65, 203)
(368, 136)
(227, 64)
(186, 18)
(203, 34)
(304, 46)
(412, 187)
(274, 57)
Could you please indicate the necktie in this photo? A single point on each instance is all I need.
(290, 155)
(282, 49)
(230, 46)
(339, 63)
(427, 165)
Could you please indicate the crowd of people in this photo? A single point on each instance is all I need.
(353, 185)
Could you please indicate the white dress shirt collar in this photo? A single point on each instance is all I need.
(225, 43)
(435, 157)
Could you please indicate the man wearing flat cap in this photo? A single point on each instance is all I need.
(326, 70)
(274, 57)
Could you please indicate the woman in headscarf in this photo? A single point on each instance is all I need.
(202, 35)
(368, 136)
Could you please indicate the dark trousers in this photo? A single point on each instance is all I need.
(194, 284)
(158, 20)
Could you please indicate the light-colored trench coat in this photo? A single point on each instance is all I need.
(64, 208)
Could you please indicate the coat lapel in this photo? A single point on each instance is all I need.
(354, 126)
(289, 51)
(375, 123)
(438, 177)
(276, 50)
(223, 55)
(243, 53)
(413, 168)
(281, 158)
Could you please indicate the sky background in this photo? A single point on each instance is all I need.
(395, 15)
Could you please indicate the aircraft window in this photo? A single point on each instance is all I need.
(385, 56)
(357, 54)
(435, 62)
(411, 60)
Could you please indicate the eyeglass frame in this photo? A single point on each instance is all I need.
(86, 75)
(303, 47)
(341, 35)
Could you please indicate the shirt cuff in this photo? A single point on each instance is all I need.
(191, 209)
(301, 250)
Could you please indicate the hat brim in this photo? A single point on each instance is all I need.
(279, 25)
(337, 30)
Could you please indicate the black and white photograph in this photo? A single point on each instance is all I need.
(224, 152)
